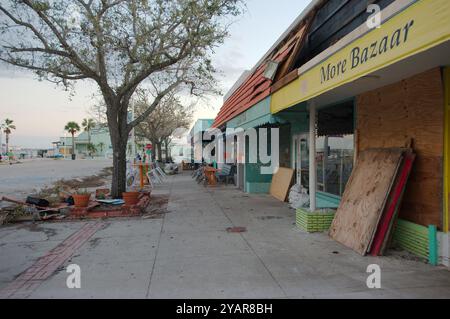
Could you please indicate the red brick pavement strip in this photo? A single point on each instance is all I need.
(46, 265)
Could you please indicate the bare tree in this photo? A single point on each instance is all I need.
(118, 44)
(167, 117)
(97, 111)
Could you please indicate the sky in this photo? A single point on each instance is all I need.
(40, 109)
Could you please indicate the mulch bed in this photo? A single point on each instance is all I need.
(96, 210)
(149, 206)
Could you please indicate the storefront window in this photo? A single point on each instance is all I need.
(334, 156)
(335, 147)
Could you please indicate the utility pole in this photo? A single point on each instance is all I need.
(1, 139)
(65, 144)
(312, 156)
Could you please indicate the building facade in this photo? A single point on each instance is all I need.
(100, 140)
(342, 85)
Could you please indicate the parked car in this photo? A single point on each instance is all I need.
(56, 156)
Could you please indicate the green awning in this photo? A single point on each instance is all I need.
(257, 115)
(265, 119)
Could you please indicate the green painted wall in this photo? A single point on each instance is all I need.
(257, 115)
(257, 188)
(253, 170)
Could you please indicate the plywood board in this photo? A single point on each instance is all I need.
(386, 200)
(410, 109)
(391, 209)
(281, 183)
(388, 239)
(364, 198)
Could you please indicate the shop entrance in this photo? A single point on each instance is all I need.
(301, 159)
(334, 147)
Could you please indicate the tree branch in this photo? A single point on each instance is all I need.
(42, 50)
(73, 55)
(26, 25)
(66, 76)
(154, 104)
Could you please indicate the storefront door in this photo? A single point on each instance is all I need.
(301, 159)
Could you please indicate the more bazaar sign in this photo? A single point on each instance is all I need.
(359, 56)
(419, 27)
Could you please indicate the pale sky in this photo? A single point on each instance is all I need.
(40, 110)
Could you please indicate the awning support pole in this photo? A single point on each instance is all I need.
(312, 156)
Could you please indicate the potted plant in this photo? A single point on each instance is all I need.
(131, 198)
(81, 198)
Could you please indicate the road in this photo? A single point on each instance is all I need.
(19, 180)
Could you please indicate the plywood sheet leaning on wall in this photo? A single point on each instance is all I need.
(365, 198)
(281, 183)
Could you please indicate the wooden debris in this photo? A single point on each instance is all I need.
(281, 183)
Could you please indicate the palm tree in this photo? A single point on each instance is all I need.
(72, 128)
(91, 149)
(88, 125)
(7, 127)
(101, 145)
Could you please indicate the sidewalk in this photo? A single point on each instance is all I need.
(189, 254)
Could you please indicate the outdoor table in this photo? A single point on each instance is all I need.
(210, 173)
(141, 173)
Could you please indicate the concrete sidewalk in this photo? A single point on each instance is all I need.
(189, 254)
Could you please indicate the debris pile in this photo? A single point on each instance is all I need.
(72, 199)
(30, 210)
(298, 197)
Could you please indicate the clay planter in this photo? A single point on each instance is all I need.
(81, 200)
(130, 198)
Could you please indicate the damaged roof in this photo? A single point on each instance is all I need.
(257, 87)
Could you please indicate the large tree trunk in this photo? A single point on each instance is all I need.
(159, 145)
(153, 151)
(166, 146)
(117, 123)
(119, 170)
